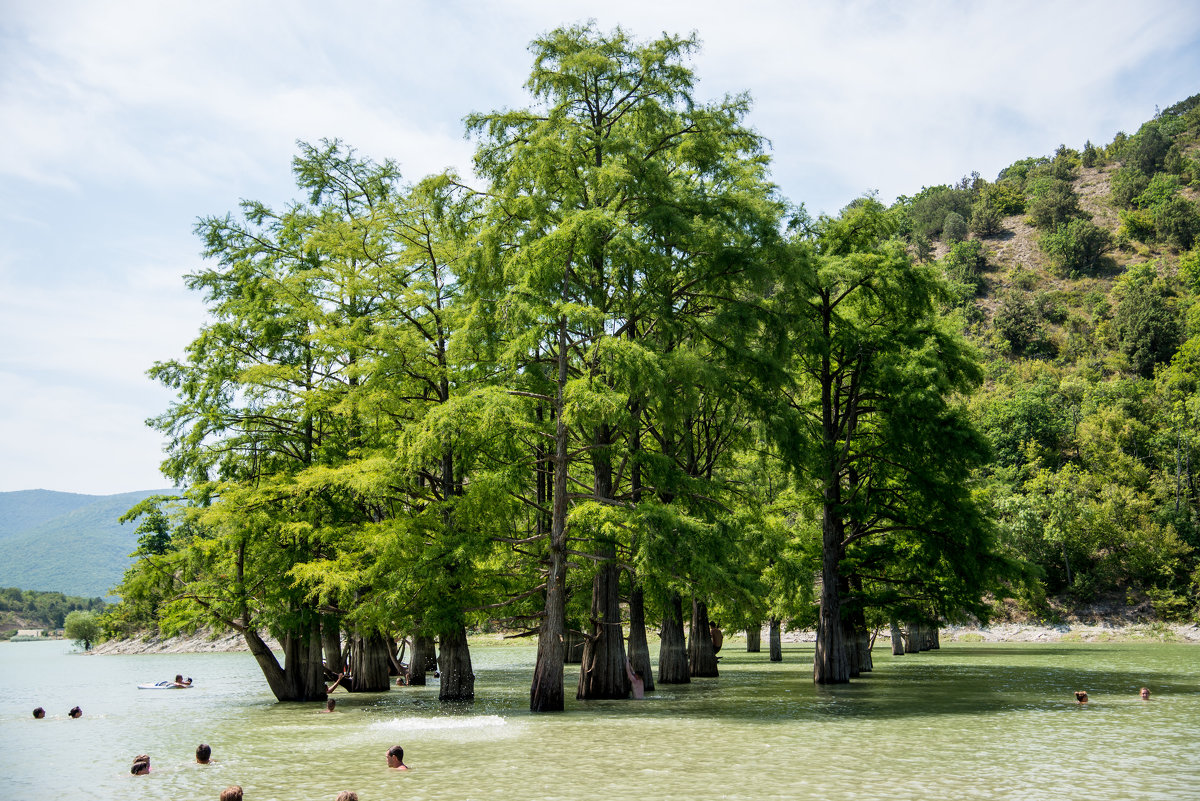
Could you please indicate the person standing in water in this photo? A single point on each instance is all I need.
(395, 758)
(1144, 693)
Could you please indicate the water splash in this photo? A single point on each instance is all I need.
(439, 724)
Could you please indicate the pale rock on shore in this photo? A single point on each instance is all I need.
(202, 642)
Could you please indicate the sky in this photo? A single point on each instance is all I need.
(121, 123)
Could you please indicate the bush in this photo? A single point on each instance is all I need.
(1147, 149)
(1136, 224)
(1052, 202)
(1018, 323)
(985, 220)
(929, 209)
(1176, 222)
(82, 627)
(1126, 184)
(965, 263)
(954, 229)
(1076, 247)
(1090, 156)
(1004, 197)
(1161, 188)
(1147, 326)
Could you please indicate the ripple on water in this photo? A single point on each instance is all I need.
(480, 723)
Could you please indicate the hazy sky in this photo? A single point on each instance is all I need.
(122, 122)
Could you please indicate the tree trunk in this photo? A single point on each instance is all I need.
(546, 692)
(602, 671)
(829, 661)
(417, 663)
(935, 639)
(301, 677)
(912, 638)
(775, 641)
(672, 651)
(369, 657)
(897, 639)
(639, 649)
(331, 639)
(573, 645)
(753, 638)
(458, 680)
(850, 644)
(700, 645)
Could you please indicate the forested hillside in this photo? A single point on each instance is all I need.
(30, 609)
(65, 542)
(624, 384)
(1076, 276)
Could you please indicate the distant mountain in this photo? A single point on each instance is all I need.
(66, 542)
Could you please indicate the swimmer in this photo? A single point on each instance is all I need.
(39, 713)
(347, 795)
(1144, 693)
(75, 712)
(204, 754)
(1081, 697)
(330, 705)
(233, 793)
(395, 758)
(141, 765)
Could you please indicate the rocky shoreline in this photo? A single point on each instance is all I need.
(205, 642)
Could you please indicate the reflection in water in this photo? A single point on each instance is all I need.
(968, 722)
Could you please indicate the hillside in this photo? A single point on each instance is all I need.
(1077, 276)
(66, 542)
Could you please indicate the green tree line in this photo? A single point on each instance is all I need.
(623, 383)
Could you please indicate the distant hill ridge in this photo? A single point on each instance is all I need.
(65, 541)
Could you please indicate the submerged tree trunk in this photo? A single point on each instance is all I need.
(850, 645)
(546, 691)
(418, 662)
(369, 658)
(753, 638)
(602, 671)
(672, 650)
(897, 639)
(331, 640)
(639, 649)
(701, 655)
(458, 680)
(301, 677)
(935, 640)
(829, 661)
(775, 640)
(573, 642)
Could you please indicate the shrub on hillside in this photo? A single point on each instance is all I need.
(929, 208)
(1020, 326)
(1091, 156)
(985, 220)
(954, 229)
(1147, 149)
(1176, 222)
(1136, 225)
(1052, 202)
(965, 263)
(1076, 247)
(1147, 325)
(1162, 187)
(1126, 184)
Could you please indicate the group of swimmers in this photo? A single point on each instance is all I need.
(1081, 696)
(40, 713)
(141, 767)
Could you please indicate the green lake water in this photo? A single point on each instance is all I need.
(971, 721)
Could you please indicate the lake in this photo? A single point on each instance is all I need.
(971, 721)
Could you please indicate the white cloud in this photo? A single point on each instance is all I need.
(125, 121)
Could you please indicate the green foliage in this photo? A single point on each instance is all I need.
(930, 209)
(1052, 202)
(1076, 247)
(985, 220)
(1126, 185)
(965, 263)
(1147, 150)
(1136, 225)
(1176, 222)
(1160, 189)
(25, 608)
(1091, 155)
(1019, 325)
(1004, 197)
(955, 227)
(1147, 323)
(82, 627)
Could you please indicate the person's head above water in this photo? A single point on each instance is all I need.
(395, 758)
(141, 765)
(1081, 696)
(1144, 693)
(203, 753)
(233, 793)
(347, 795)
(39, 713)
(330, 704)
(75, 712)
